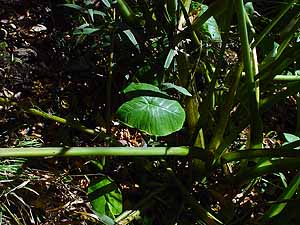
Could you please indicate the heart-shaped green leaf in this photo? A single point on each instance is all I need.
(153, 115)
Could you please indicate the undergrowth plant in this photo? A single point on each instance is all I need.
(169, 60)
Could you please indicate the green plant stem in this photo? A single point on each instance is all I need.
(255, 120)
(288, 37)
(290, 55)
(36, 112)
(127, 13)
(291, 89)
(185, 18)
(250, 154)
(208, 103)
(227, 107)
(267, 74)
(298, 113)
(215, 9)
(93, 151)
(287, 78)
(106, 151)
(274, 166)
(242, 123)
(273, 23)
(205, 215)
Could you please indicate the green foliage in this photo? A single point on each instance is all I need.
(156, 116)
(291, 137)
(182, 90)
(210, 28)
(288, 193)
(174, 58)
(106, 199)
(153, 115)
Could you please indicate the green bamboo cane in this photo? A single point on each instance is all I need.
(287, 78)
(255, 120)
(93, 151)
(274, 22)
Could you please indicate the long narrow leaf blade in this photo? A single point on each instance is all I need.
(131, 37)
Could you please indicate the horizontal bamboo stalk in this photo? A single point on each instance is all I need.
(250, 154)
(287, 78)
(93, 151)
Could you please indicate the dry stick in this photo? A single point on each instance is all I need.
(109, 80)
(37, 112)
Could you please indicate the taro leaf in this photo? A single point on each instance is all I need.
(169, 58)
(210, 27)
(131, 37)
(153, 115)
(180, 89)
(106, 198)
